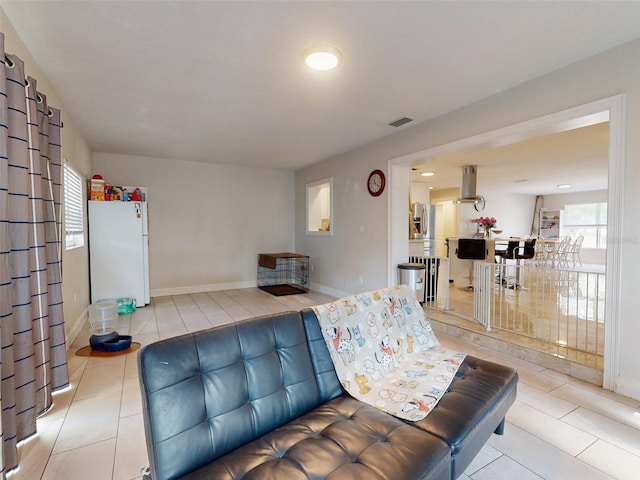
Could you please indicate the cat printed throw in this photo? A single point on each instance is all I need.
(385, 352)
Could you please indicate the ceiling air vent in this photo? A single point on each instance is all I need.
(401, 121)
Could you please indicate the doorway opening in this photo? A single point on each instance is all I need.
(611, 109)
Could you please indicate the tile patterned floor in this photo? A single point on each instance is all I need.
(559, 428)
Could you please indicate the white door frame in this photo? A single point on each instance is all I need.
(612, 109)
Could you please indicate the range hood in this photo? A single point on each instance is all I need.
(469, 175)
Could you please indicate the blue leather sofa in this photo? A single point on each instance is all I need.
(260, 399)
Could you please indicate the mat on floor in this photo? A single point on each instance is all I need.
(88, 352)
(279, 290)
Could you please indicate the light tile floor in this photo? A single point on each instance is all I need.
(559, 428)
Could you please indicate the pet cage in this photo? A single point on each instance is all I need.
(283, 273)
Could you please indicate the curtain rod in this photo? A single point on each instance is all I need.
(10, 64)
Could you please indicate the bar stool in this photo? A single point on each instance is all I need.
(504, 255)
(525, 252)
(471, 249)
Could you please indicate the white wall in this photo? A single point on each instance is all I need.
(419, 192)
(559, 200)
(354, 258)
(514, 214)
(75, 270)
(346, 254)
(207, 222)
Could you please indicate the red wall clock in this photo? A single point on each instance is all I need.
(376, 183)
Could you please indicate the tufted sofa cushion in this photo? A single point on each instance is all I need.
(259, 399)
(341, 440)
(476, 402)
(207, 393)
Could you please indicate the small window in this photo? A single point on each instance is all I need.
(320, 207)
(73, 207)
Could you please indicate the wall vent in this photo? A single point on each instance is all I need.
(401, 121)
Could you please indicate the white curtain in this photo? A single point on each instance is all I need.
(33, 361)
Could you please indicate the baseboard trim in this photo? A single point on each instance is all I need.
(212, 287)
(316, 287)
(77, 327)
(628, 387)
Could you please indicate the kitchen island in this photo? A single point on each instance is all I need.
(459, 268)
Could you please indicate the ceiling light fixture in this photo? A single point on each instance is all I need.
(427, 174)
(322, 57)
(564, 185)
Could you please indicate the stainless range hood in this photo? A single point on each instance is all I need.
(469, 175)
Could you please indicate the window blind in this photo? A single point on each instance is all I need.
(73, 205)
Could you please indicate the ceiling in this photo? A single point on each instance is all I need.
(224, 82)
(536, 166)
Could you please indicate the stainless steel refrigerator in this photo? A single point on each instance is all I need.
(424, 225)
(119, 250)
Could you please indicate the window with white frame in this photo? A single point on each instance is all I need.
(73, 207)
(320, 207)
(588, 220)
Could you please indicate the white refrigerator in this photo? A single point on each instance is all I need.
(119, 250)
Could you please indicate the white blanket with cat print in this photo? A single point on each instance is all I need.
(385, 352)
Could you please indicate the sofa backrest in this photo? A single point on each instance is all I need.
(209, 392)
(328, 384)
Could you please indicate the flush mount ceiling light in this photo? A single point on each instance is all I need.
(427, 174)
(564, 185)
(322, 57)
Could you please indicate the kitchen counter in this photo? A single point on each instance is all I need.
(421, 247)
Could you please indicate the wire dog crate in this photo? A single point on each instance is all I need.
(283, 273)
